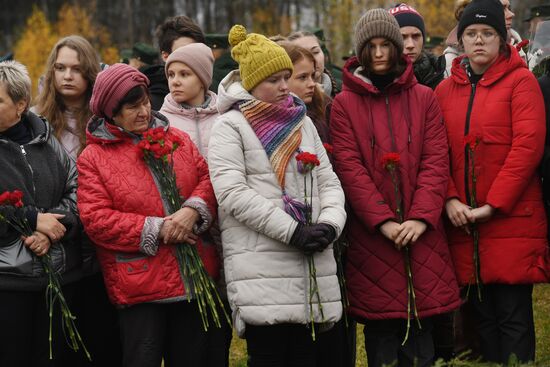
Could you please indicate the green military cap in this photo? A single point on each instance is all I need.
(144, 53)
(320, 34)
(433, 41)
(217, 40)
(538, 11)
(125, 55)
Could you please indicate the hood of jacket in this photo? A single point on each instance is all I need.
(171, 106)
(100, 131)
(231, 91)
(359, 84)
(502, 66)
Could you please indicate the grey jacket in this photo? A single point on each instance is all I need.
(46, 175)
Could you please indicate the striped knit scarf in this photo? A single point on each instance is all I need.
(279, 129)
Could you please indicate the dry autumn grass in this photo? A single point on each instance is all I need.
(541, 304)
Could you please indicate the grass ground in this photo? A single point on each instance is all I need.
(541, 306)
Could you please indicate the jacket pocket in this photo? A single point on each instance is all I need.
(135, 278)
(16, 259)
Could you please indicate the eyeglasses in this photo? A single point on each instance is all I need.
(486, 36)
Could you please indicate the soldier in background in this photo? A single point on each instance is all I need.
(223, 63)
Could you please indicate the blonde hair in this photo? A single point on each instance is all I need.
(50, 104)
(15, 78)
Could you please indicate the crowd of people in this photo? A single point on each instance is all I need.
(409, 198)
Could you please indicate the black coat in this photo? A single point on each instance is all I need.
(46, 175)
(429, 70)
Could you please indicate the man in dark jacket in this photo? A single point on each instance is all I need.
(175, 32)
(544, 82)
(428, 69)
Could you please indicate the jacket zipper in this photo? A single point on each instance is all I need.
(199, 139)
(24, 152)
(390, 124)
(466, 131)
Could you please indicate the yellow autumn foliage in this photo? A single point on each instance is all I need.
(39, 36)
(35, 43)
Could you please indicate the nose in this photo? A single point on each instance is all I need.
(408, 43)
(67, 74)
(378, 51)
(283, 85)
(311, 83)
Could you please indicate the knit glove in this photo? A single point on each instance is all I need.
(311, 238)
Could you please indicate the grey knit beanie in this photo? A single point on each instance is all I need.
(377, 23)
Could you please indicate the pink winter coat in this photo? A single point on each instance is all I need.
(196, 121)
(366, 124)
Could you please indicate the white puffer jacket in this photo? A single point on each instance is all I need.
(267, 280)
(197, 121)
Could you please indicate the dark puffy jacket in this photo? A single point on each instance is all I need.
(506, 109)
(544, 83)
(117, 199)
(46, 175)
(366, 124)
(158, 84)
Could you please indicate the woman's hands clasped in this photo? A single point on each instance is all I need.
(462, 215)
(178, 227)
(403, 234)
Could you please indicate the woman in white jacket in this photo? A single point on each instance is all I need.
(260, 192)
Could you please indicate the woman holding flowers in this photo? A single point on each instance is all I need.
(494, 113)
(34, 163)
(390, 152)
(135, 218)
(280, 271)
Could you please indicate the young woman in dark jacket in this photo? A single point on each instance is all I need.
(382, 109)
(33, 162)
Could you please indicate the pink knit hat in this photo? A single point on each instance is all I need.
(111, 86)
(198, 57)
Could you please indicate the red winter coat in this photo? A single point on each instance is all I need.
(116, 193)
(363, 124)
(508, 112)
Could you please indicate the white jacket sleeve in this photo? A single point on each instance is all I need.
(331, 194)
(228, 175)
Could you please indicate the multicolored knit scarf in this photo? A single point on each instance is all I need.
(278, 126)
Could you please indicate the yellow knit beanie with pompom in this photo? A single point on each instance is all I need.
(258, 57)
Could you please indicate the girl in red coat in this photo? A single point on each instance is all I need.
(381, 110)
(493, 103)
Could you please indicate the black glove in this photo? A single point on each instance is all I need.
(311, 238)
(329, 235)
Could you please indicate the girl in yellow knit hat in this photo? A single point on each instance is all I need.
(267, 240)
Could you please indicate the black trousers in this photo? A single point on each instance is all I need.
(504, 322)
(97, 322)
(383, 340)
(336, 347)
(24, 329)
(281, 345)
(172, 331)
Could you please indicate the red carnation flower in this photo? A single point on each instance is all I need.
(522, 44)
(390, 160)
(328, 147)
(308, 158)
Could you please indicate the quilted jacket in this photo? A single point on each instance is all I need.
(507, 110)
(197, 121)
(46, 175)
(267, 280)
(121, 207)
(365, 124)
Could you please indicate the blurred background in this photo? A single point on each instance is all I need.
(29, 29)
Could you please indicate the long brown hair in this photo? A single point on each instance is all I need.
(50, 104)
(316, 108)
